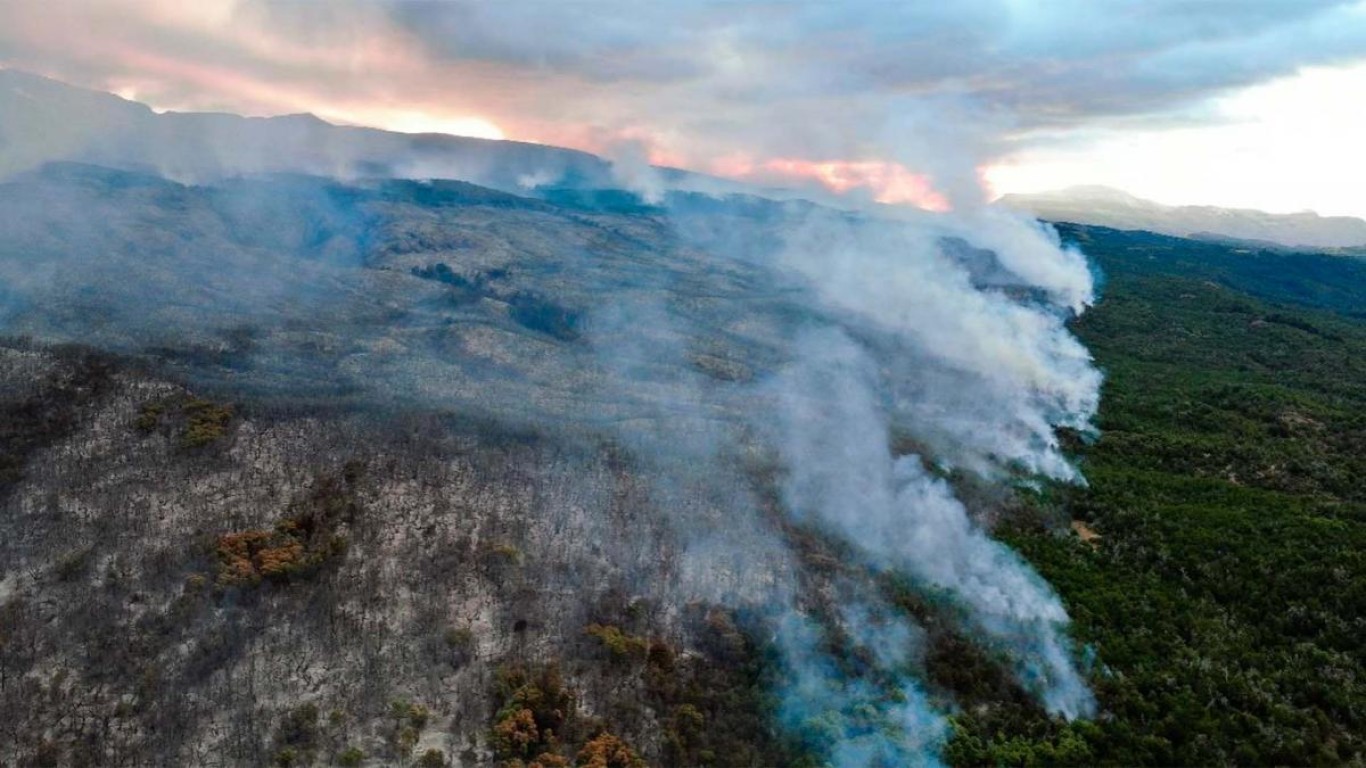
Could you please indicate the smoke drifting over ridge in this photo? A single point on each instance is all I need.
(708, 335)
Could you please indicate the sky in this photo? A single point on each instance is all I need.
(1247, 103)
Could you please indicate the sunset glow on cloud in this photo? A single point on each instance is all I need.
(410, 121)
(893, 102)
(888, 182)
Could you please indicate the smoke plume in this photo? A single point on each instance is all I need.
(835, 369)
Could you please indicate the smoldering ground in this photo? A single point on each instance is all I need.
(751, 357)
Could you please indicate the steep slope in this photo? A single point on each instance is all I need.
(297, 470)
(43, 120)
(356, 449)
(209, 583)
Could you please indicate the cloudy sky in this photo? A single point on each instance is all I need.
(1254, 103)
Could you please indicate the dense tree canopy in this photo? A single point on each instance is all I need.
(1224, 597)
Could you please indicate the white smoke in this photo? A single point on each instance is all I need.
(978, 373)
(632, 170)
(834, 436)
(827, 333)
(855, 722)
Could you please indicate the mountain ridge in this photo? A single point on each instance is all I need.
(1108, 207)
(44, 120)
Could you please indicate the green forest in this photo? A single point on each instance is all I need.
(1219, 571)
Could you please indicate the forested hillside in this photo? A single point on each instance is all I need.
(1219, 571)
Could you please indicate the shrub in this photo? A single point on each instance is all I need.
(516, 732)
(661, 657)
(535, 713)
(689, 718)
(459, 638)
(415, 715)
(540, 314)
(299, 727)
(504, 552)
(74, 565)
(236, 554)
(608, 751)
(620, 644)
(206, 421)
(460, 642)
(409, 720)
(351, 757)
(149, 417)
(406, 739)
(246, 557)
(299, 544)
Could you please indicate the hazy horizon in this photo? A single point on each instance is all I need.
(1070, 190)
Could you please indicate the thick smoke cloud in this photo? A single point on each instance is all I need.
(812, 336)
(764, 365)
(834, 439)
(1005, 371)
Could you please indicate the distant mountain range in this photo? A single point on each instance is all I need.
(1108, 207)
(43, 120)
